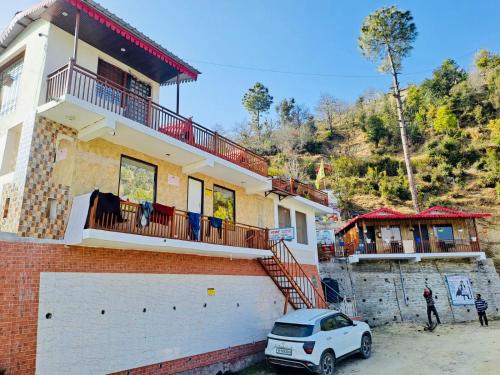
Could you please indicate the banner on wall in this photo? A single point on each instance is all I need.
(277, 234)
(460, 290)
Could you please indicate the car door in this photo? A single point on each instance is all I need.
(333, 337)
(348, 331)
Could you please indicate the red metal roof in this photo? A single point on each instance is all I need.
(439, 212)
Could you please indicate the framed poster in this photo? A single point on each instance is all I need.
(460, 290)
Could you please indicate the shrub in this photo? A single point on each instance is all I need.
(385, 163)
(345, 166)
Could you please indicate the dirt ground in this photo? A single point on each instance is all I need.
(465, 348)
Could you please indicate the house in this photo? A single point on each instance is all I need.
(384, 259)
(437, 232)
(133, 239)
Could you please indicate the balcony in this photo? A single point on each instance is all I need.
(410, 250)
(163, 233)
(286, 187)
(86, 86)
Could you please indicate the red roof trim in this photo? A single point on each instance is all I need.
(114, 26)
(426, 214)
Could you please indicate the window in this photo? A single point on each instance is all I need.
(137, 180)
(9, 85)
(224, 202)
(11, 150)
(342, 321)
(391, 234)
(328, 324)
(284, 220)
(444, 232)
(301, 224)
(292, 330)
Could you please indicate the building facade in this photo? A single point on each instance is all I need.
(133, 239)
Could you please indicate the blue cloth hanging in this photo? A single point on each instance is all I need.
(194, 219)
(215, 222)
(145, 211)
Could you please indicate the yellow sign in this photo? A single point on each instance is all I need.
(211, 291)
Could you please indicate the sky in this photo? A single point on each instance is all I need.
(297, 48)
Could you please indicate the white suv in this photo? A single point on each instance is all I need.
(315, 339)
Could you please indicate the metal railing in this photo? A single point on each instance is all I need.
(295, 187)
(177, 226)
(297, 278)
(85, 85)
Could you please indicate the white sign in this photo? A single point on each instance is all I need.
(460, 289)
(277, 234)
(174, 180)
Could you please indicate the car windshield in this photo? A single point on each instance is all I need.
(292, 330)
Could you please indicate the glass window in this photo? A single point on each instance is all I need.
(444, 232)
(328, 324)
(301, 224)
(137, 180)
(342, 321)
(224, 202)
(292, 330)
(284, 220)
(391, 234)
(9, 85)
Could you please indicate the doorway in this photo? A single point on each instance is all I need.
(195, 195)
(422, 244)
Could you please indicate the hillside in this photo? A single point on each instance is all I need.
(453, 129)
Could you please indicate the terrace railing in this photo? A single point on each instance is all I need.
(178, 227)
(450, 246)
(396, 247)
(295, 187)
(85, 85)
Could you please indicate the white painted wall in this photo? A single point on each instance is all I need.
(307, 254)
(78, 339)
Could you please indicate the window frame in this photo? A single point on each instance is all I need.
(4, 67)
(155, 187)
(289, 216)
(234, 197)
(297, 228)
(435, 229)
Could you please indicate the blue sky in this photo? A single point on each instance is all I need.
(313, 37)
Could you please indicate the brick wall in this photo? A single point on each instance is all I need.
(381, 290)
(22, 262)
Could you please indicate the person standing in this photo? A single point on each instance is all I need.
(481, 307)
(430, 306)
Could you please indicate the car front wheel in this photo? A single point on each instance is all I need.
(365, 350)
(327, 363)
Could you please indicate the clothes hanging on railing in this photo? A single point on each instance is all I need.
(162, 214)
(108, 205)
(144, 212)
(214, 222)
(194, 219)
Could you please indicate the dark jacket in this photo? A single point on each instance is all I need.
(428, 298)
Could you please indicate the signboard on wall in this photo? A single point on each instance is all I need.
(277, 234)
(460, 289)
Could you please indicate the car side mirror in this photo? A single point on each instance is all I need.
(354, 323)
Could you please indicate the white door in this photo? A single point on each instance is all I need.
(195, 195)
(347, 333)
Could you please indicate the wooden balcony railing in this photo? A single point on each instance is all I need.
(396, 247)
(453, 246)
(85, 85)
(178, 227)
(295, 187)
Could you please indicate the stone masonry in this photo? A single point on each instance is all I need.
(391, 291)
